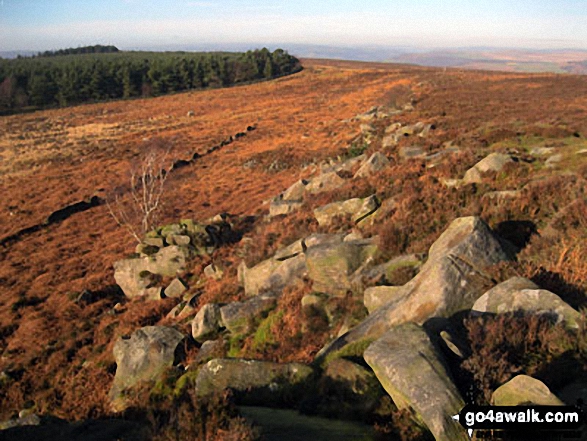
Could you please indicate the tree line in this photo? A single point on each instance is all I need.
(29, 83)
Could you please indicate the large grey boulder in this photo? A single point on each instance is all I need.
(325, 182)
(272, 275)
(414, 374)
(143, 356)
(252, 381)
(451, 280)
(357, 208)
(207, 323)
(331, 266)
(374, 164)
(240, 317)
(524, 390)
(520, 294)
(136, 276)
(493, 162)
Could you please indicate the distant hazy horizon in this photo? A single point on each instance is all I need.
(37, 25)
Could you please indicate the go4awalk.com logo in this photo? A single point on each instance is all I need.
(561, 422)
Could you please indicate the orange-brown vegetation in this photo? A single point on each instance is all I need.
(58, 352)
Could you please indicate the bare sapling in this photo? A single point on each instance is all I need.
(137, 208)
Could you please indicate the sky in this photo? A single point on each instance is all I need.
(131, 24)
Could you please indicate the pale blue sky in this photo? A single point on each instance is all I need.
(51, 24)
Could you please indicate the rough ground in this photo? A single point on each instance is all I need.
(54, 158)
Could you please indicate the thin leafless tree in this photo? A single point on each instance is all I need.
(137, 207)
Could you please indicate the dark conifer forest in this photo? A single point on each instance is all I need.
(97, 73)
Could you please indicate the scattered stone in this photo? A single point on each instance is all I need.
(374, 164)
(412, 152)
(175, 289)
(253, 382)
(290, 251)
(178, 239)
(272, 275)
(524, 390)
(453, 344)
(494, 162)
(241, 317)
(520, 294)
(211, 349)
(280, 208)
(501, 196)
(325, 182)
(415, 375)
(213, 272)
(26, 420)
(207, 322)
(331, 266)
(542, 151)
(137, 277)
(553, 160)
(296, 191)
(311, 300)
(143, 356)
(191, 114)
(358, 208)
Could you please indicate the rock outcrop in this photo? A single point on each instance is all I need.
(142, 356)
(520, 294)
(524, 390)
(451, 280)
(253, 382)
(493, 162)
(414, 374)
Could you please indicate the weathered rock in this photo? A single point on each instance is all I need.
(519, 294)
(453, 343)
(312, 301)
(397, 271)
(211, 349)
(350, 164)
(450, 281)
(135, 276)
(325, 182)
(501, 196)
(375, 163)
(179, 240)
(253, 382)
(524, 390)
(412, 152)
(348, 389)
(553, 160)
(326, 214)
(296, 191)
(175, 289)
(272, 275)
(25, 420)
(290, 251)
(213, 272)
(241, 317)
(414, 374)
(331, 266)
(357, 208)
(143, 356)
(377, 296)
(279, 207)
(494, 162)
(207, 322)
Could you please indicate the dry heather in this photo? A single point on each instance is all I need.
(59, 351)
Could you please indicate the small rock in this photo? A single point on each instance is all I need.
(375, 163)
(213, 272)
(325, 182)
(378, 296)
(175, 289)
(280, 208)
(524, 390)
(207, 322)
(241, 317)
(493, 162)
